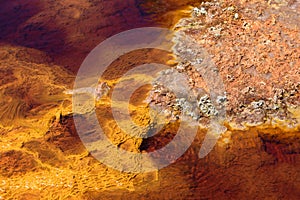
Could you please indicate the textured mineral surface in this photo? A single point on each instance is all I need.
(255, 46)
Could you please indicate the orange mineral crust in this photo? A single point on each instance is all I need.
(255, 46)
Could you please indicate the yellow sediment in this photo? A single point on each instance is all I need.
(77, 173)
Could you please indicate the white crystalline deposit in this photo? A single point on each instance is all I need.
(97, 92)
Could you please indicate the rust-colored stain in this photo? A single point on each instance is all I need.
(254, 45)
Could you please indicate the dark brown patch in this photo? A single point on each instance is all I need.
(16, 163)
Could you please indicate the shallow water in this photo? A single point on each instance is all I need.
(254, 164)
